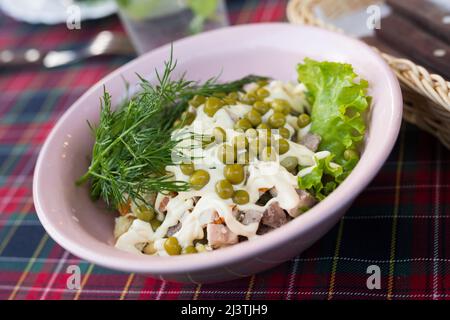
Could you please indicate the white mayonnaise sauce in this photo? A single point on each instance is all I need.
(138, 233)
(260, 176)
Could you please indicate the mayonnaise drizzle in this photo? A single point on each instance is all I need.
(138, 233)
(260, 176)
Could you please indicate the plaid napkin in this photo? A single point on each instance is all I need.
(399, 224)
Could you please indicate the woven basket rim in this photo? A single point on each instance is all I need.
(415, 77)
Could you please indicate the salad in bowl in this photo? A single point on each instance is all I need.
(193, 167)
(243, 171)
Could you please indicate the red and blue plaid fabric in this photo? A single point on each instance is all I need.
(400, 223)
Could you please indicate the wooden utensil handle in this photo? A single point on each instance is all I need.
(404, 36)
(430, 16)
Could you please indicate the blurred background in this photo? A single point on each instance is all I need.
(416, 29)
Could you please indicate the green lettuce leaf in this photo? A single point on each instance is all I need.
(337, 115)
(323, 178)
(338, 105)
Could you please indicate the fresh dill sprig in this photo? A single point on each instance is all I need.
(133, 144)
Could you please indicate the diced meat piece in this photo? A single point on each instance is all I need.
(263, 229)
(208, 216)
(242, 238)
(219, 235)
(274, 216)
(264, 198)
(247, 216)
(306, 199)
(173, 194)
(273, 192)
(173, 229)
(251, 216)
(305, 202)
(163, 204)
(311, 141)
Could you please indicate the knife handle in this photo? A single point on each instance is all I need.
(20, 58)
(427, 14)
(417, 44)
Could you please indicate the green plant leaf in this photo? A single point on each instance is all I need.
(323, 178)
(338, 105)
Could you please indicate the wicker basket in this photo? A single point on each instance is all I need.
(426, 96)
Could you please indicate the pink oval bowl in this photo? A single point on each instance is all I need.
(85, 229)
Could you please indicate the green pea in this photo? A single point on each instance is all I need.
(249, 97)
(187, 168)
(351, 154)
(277, 120)
(303, 120)
(261, 107)
(262, 83)
(240, 142)
(228, 101)
(267, 154)
(283, 146)
(251, 133)
(155, 223)
(224, 189)
(277, 106)
(234, 173)
(220, 94)
(263, 126)
(219, 135)
(265, 136)
(199, 179)
(243, 124)
(172, 246)
(233, 95)
(262, 93)
(241, 197)
(284, 132)
(187, 117)
(145, 213)
(189, 250)
(231, 98)
(227, 154)
(197, 101)
(254, 117)
(177, 123)
(287, 109)
(212, 105)
(290, 163)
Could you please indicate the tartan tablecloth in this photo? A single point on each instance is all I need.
(400, 223)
